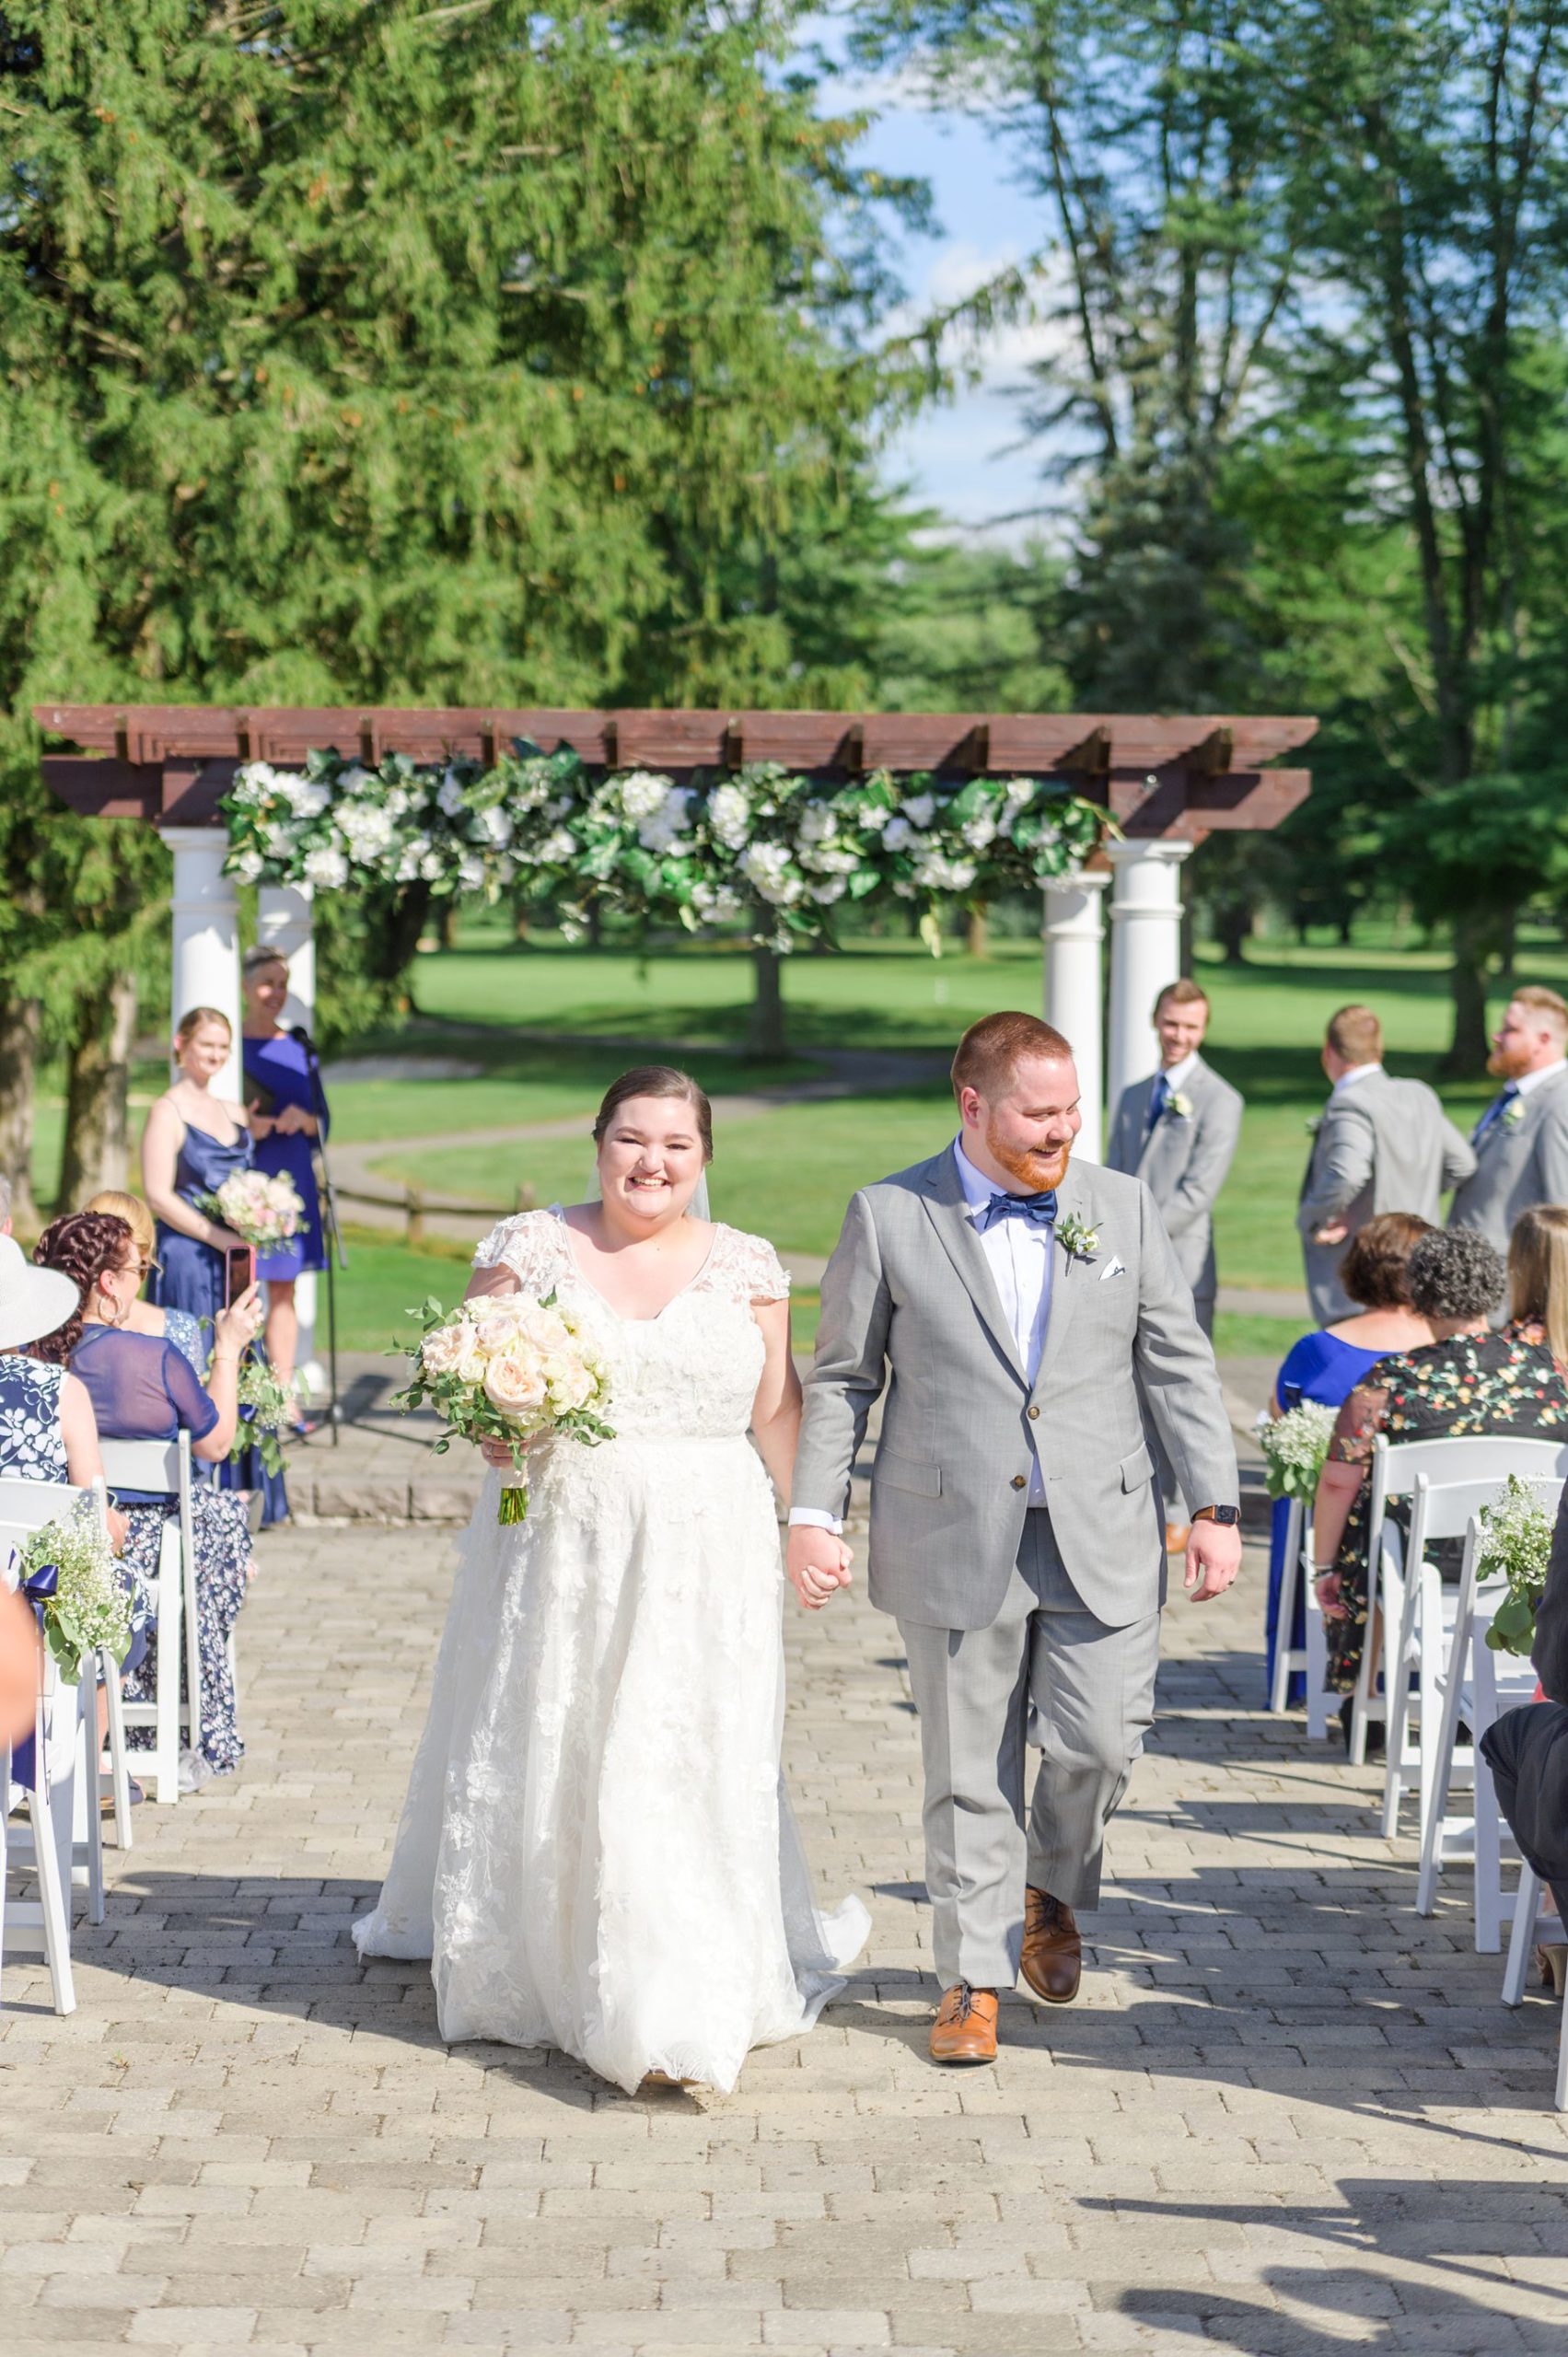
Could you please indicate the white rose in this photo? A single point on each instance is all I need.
(305, 799)
(643, 793)
(492, 826)
(980, 832)
(571, 1384)
(817, 824)
(937, 873)
(898, 835)
(513, 1384)
(729, 816)
(920, 809)
(825, 893)
(432, 867)
(445, 1347)
(245, 865)
(354, 776)
(326, 867)
(767, 867)
(558, 847)
(497, 1329)
(470, 871)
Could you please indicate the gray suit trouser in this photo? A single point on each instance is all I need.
(1048, 1670)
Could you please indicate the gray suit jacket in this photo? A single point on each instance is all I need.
(1183, 1162)
(908, 1302)
(1518, 1164)
(1382, 1145)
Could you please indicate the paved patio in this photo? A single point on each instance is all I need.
(1286, 2116)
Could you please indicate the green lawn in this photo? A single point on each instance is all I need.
(791, 1173)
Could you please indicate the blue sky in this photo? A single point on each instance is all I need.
(956, 455)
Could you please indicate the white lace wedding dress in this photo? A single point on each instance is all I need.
(597, 1851)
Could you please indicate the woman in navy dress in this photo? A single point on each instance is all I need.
(195, 1140)
(286, 1121)
(1327, 1364)
(142, 1387)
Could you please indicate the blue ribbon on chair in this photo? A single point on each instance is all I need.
(37, 1588)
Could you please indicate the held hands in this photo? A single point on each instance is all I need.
(1333, 1231)
(817, 1561)
(1213, 1559)
(235, 1326)
(294, 1121)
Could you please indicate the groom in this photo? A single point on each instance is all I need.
(1011, 1305)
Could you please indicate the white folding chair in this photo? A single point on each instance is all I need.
(163, 1467)
(1312, 1658)
(1528, 1923)
(37, 1845)
(1420, 1643)
(1473, 1456)
(1477, 1685)
(27, 1506)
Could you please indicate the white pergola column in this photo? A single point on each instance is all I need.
(1073, 933)
(206, 936)
(1146, 951)
(284, 922)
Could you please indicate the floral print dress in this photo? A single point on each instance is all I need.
(1507, 1382)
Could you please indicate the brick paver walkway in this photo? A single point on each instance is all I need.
(1286, 2114)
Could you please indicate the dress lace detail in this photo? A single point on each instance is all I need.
(596, 1851)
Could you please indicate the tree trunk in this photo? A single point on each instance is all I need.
(519, 921)
(96, 1149)
(977, 933)
(1473, 939)
(1232, 926)
(1508, 946)
(767, 1038)
(18, 1055)
(446, 923)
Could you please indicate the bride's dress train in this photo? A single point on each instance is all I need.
(596, 1850)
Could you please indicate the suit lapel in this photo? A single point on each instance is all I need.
(948, 1215)
(1070, 1277)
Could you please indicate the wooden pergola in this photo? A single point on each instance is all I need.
(1176, 777)
(1168, 780)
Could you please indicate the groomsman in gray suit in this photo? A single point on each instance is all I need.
(1016, 1309)
(1177, 1131)
(1521, 1140)
(1381, 1146)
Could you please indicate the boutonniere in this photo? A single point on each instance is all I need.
(1179, 1105)
(1315, 1123)
(1513, 1112)
(1076, 1238)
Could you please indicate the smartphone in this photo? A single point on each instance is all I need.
(239, 1271)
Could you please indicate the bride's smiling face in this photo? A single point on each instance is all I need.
(650, 1160)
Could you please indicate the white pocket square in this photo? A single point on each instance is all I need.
(1117, 1269)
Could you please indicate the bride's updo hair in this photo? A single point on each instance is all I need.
(658, 1080)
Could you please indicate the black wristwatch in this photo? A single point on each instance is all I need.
(1217, 1514)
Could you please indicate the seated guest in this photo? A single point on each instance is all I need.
(181, 1327)
(1326, 1364)
(144, 1389)
(1466, 1379)
(1527, 1749)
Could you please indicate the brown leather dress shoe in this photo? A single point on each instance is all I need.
(965, 2028)
(1053, 1952)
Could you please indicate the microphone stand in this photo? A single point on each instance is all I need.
(332, 1230)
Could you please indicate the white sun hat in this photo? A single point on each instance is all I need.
(33, 1302)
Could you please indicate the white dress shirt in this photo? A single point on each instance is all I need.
(1178, 1076)
(1349, 1079)
(1528, 1080)
(1020, 1256)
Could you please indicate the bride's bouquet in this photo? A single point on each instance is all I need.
(509, 1369)
(262, 1212)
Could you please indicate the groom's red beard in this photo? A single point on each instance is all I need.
(1034, 1168)
(1509, 1063)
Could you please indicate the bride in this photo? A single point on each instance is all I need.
(596, 1851)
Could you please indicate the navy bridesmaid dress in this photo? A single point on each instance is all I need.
(190, 1277)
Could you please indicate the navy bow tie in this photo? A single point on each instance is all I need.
(1492, 1117)
(1038, 1209)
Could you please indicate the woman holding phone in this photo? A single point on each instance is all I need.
(193, 1142)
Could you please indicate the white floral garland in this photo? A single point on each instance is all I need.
(764, 844)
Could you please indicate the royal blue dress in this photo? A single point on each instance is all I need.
(190, 1277)
(281, 1067)
(1318, 1367)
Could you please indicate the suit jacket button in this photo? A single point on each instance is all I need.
(1020, 1481)
(1034, 1415)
